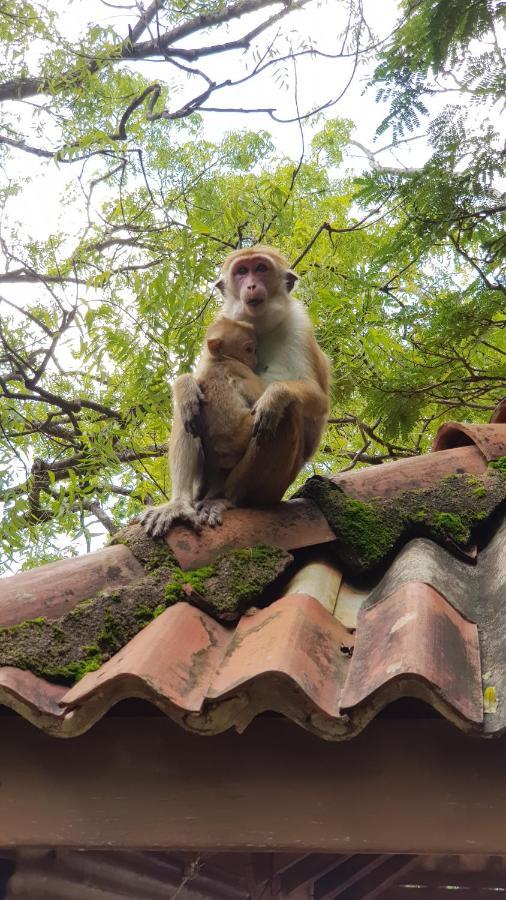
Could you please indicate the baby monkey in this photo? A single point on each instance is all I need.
(230, 390)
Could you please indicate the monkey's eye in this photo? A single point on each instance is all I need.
(249, 348)
(241, 270)
(261, 267)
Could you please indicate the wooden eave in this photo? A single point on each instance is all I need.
(404, 786)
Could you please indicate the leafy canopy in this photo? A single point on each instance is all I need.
(401, 266)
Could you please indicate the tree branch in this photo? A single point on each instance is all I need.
(131, 48)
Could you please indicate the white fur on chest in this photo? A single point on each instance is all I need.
(282, 354)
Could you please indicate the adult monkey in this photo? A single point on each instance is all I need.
(289, 416)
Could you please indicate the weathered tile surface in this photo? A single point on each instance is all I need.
(57, 587)
(328, 653)
(415, 634)
(171, 660)
(391, 479)
(294, 638)
(289, 525)
(489, 439)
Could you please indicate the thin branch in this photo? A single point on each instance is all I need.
(379, 167)
(131, 48)
(330, 229)
(472, 262)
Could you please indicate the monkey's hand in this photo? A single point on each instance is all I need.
(270, 409)
(189, 399)
(211, 511)
(156, 520)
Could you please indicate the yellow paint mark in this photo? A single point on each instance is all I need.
(490, 699)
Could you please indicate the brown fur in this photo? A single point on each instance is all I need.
(290, 414)
(230, 388)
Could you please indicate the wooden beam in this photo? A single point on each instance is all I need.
(402, 786)
(364, 881)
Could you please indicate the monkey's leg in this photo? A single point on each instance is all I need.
(186, 464)
(269, 466)
(212, 507)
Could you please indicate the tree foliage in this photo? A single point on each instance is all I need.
(401, 266)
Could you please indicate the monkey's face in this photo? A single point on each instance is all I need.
(245, 352)
(253, 282)
(227, 339)
(256, 287)
(251, 285)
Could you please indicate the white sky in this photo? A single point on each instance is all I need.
(40, 207)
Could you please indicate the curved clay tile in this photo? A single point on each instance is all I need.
(429, 628)
(416, 634)
(287, 526)
(292, 658)
(143, 668)
(297, 659)
(499, 414)
(413, 473)
(32, 697)
(58, 587)
(490, 439)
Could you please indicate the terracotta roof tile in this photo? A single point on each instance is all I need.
(287, 526)
(144, 668)
(499, 414)
(489, 439)
(416, 635)
(294, 638)
(430, 625)
(413, 473)
(319, 579)
(33, 698)
(57, 587)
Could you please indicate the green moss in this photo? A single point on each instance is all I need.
(499, 465)
(88, 635)
(366, 532)
(451, 525)
(36, 644)
(74, 671)
(236, 580)
(195, 578)
(83, 639)
(152, 554)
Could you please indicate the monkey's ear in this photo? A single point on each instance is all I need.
(220, 284)
(291, 280)
(214, 346)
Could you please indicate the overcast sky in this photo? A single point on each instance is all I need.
(40, 208)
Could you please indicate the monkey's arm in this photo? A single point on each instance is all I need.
(188, 399)
(277, 397)
(311, 393)
(186, 466)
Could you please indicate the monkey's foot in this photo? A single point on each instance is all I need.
(156, 520)
(211, 511)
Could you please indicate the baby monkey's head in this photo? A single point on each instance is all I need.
(228, 339)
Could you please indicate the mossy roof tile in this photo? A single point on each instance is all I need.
(430, 623)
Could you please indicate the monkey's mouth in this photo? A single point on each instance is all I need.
(255, 301)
